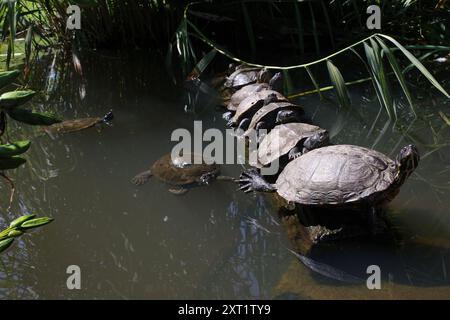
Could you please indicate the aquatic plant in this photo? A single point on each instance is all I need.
(379, 52)
(20, 226)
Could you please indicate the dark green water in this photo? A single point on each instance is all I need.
(213, 242)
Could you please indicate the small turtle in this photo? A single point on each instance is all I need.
(270, 115)
(180, 173)
(249, 106)
(77, 124)
(244, 76)
(339, 176)
(288, 141)
(275, 84)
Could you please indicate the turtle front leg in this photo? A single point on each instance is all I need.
(142, 178)
(206, 178)
(243, 125)
(178, 191)
(261, 130)
(227, 115)
(294, 153)
(251, 180)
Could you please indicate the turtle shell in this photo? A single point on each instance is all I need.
(245, 92)
(281, 139)
(179, 172)
(337, 175)
(268, 111)
(72, 125)
(242, 77)
(249, 104)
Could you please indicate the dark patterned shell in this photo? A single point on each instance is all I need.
(246, 107)
(242, 77)
(72, 125)
(178, 172)
(245, 92)
(337, 175)
(268, 111)
(281, 139)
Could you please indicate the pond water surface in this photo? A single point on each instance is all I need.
(213, 242)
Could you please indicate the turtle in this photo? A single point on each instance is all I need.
(286, 142)
(181, 172)
(339, 176)
(272, 114)
(77, 124)
(249, 106)
(244, 76)
(275, 83)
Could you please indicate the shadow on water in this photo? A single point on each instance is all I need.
(132, 242)
(214, 242)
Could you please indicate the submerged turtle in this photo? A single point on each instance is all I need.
(181, 173)
(249, 106)
(272, 114)
(287, 142)
(275, 84)
(339, 176)
(244, 76)
(77, 124)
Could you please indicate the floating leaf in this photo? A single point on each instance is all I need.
(5, 244)
(33, 118)
(11, 163)
(34, 223)
(14, 148)
(13, 99)
(17, 222)
(15, 233)
(7, 77)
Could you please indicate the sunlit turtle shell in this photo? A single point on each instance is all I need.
(281, 140)
(339, 174)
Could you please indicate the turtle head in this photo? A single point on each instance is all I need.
(270, 98)
(276, 82)
(287, 116)
(263, 75)
(407, 161)
(318, 140)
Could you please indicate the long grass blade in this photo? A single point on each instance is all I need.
(298, 19)
(249, 28)
(398, 73)
(339, 85)
(202, 64)
(417, 64)
(314, 28)
(313, 80)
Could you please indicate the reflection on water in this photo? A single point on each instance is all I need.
(214, 242)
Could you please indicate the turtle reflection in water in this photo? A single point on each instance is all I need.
(180, 173)
(77, 124)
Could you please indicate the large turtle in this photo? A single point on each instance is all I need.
(180, 173)
(249, 106)
(275, 84)
(339, 176)
(77, 124)
(244, 76)
(286, 142)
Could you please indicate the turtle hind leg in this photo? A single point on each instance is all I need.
(178, 191)
(142, 178)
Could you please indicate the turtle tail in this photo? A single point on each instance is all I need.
(141, 178)
(108, 117)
